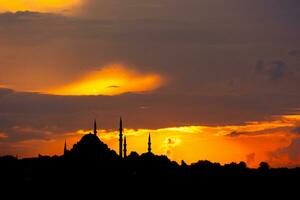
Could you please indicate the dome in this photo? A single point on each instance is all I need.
(90, 139)
(91, 147)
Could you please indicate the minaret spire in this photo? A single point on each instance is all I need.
(121, 138)
(65, 148)
(149, 143)
(95, 127)
(125, 147)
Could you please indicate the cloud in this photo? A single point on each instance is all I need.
(200, 56)
(69, 113)
(192, 9)
(170, 144)
(3, 136)
(274, 70)
(293, 150)
(5, 91)
(297, 130)
(236, 134)
(114, 86)
(261, 132)
(110, 80)
(288, 156)
(16, 134)
(294, 52)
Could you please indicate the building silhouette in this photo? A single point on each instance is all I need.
(95, 128)
(65, 148)
(125, 147)
(121, 139)
(91, 147)
(149, 144)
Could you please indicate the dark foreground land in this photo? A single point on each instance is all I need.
(143, 172)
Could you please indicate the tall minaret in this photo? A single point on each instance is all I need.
(125, 147)
(65, 149)
(120, 138)
(95, 128)
(149, 143)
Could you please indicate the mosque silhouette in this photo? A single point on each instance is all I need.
(90, 147)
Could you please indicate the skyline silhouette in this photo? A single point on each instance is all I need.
(173, 91)
(90, 147)
(91, 163)
(123, 147)
(91, 159)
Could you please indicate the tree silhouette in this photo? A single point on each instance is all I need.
(264, 166)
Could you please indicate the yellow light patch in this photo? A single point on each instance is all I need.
(110, 80)
(37, 5)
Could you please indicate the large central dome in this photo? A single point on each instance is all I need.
(92, 148)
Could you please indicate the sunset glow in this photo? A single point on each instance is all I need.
(258, 141)
(219, 144)
(110, 80)
(208, 80)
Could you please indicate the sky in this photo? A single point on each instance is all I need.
(210, 79)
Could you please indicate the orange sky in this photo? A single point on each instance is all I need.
(191, 143)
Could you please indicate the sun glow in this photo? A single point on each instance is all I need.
(216, 143)
(110, 80)
(37, 5)
(255, 143)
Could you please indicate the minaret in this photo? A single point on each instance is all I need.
(121, 138)
(95, 128)
(65, 149)
(149, 143)
(125, 147)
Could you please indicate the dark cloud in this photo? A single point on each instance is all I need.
(291, 152)
(206, 10)
(297, 130)
(260, 132)
(17, 134)
(5, 91)
(171, 141)
(199, 55)
(294, 52)
(196, 56)
(114, 86)
(274, 70)
(236, 134)
(38, 116)
(170, 146)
